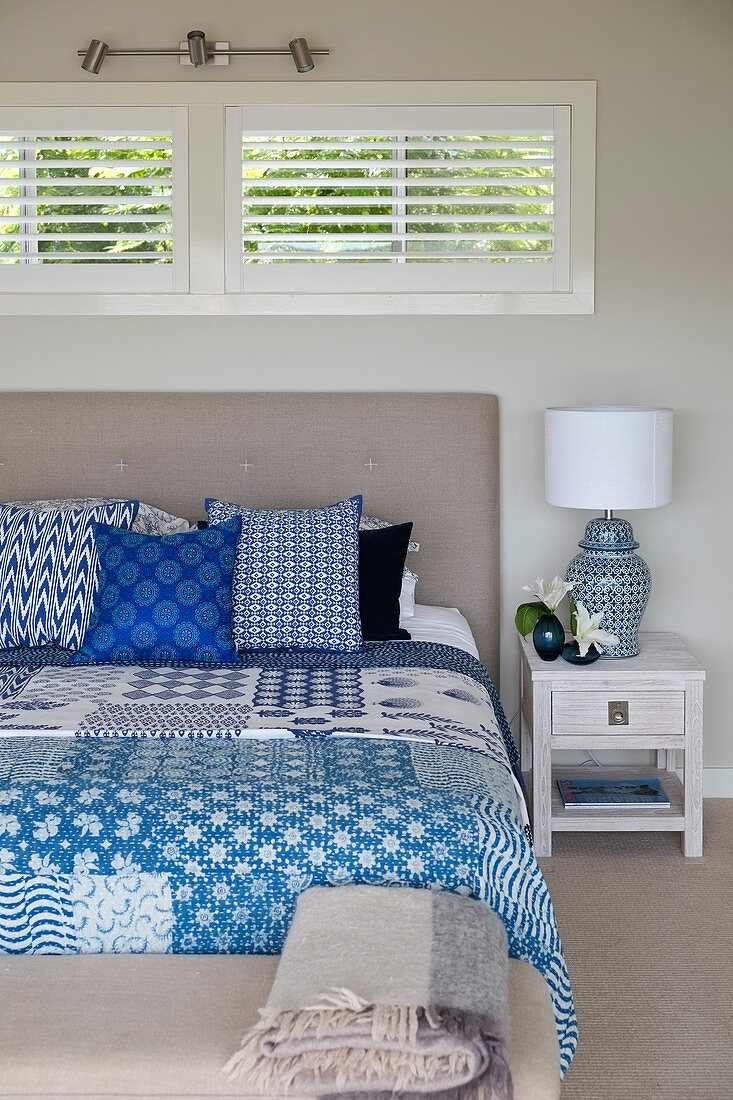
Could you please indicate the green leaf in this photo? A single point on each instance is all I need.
(573, 619)
(527, 617)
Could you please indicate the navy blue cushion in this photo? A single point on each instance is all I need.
(48, 571)
(382, 553)
(163, 597)
(296, 583)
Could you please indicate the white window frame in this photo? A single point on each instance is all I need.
(205, 104)
(423, 278)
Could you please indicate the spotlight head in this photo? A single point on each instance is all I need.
(94, 56)
(301, 55)
(197, 48)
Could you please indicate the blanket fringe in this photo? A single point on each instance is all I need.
(375, 1048)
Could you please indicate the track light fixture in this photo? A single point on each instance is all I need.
(197, 48)
(197, 51)
(94, 56)
(301, 55)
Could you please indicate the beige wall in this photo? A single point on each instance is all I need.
(662, 331)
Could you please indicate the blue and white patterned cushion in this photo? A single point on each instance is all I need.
(296, 581)
(163, 597)
(48, 572)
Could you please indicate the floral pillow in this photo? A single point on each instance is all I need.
(148, 521)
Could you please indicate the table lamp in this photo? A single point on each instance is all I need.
(609, 457)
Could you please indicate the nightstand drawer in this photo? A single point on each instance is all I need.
(598, 713)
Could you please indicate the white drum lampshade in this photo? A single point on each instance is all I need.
(609, 457)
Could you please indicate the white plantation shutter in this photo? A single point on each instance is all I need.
(361, 199)
(93, 199)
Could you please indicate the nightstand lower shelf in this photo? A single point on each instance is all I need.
(618, 818)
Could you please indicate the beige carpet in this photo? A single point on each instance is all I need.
(648, 936)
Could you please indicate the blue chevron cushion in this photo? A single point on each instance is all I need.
(163, 598)
(48, 571)
(296, 582)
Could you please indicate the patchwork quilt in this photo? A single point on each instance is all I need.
(147, 808)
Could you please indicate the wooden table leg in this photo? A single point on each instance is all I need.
(542, 769)
(692, 845)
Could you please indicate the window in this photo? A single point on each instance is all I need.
(85, 196)
(212, 197)
(469, 199)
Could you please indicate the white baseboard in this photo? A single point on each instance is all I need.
(717, 782)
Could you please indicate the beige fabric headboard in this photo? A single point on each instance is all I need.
(430, 458)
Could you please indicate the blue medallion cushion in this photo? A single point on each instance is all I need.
(296, 580)
(48, 571)
(163, 597)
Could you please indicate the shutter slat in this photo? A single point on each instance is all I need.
(387, 164)
(409, 256)
(87, 257)
(151, 183)
(386, 181)
(94, 219)
(88, 218)
(110, 143)
(88, 237)
(407, 200)
(292, 143)
(315, 238)
(382, 219)
(83, 200)
(76, 162)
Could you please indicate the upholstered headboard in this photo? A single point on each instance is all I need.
(430, 458)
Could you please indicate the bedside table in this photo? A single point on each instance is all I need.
(652, 701)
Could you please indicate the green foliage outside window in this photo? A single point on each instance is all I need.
(298, 175)
(59, 171)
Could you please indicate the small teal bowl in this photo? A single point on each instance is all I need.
(571, 653)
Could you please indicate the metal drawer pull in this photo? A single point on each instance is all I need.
(618, 713)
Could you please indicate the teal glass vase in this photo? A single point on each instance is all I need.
(548, 637)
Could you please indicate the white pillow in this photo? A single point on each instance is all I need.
(407, 595)
(442, 624)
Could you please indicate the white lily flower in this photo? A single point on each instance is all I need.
(552, 594)
(588, 632)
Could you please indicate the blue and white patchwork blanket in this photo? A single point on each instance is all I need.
(184, 809)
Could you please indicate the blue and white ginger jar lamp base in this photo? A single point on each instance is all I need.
(609, 577)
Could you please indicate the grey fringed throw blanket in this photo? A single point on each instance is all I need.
(384, 990)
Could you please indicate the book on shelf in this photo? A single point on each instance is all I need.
(602, 793)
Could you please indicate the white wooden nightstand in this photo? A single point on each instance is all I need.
(653, 701)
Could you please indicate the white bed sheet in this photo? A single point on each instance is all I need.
(441, 624)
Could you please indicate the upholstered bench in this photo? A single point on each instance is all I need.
(137, 1026)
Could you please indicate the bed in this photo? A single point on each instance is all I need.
(199, 801)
